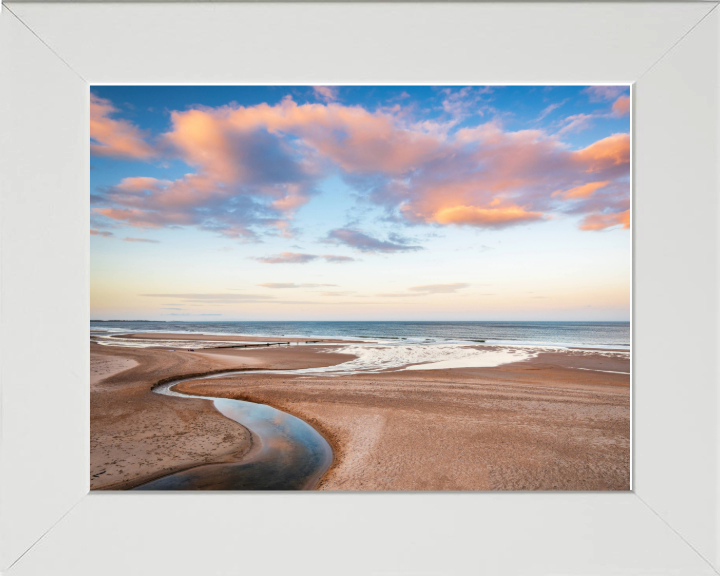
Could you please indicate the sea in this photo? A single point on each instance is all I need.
(564, 334)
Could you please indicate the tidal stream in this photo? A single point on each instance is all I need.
(287, 454)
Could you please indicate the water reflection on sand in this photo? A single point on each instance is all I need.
(288, 453)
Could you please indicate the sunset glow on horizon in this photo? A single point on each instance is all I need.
(360, 203)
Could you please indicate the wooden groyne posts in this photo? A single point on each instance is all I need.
(264, 344)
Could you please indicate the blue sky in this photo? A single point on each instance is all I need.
(360, 202)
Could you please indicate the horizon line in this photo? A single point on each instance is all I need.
(368, 321)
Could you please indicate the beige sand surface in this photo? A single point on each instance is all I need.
(137, 435)
(541, 424)
(103, 366)
(560, 421)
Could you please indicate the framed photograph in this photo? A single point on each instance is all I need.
(430, 286)
(299, 256)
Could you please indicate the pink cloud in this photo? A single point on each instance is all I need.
(499, 217)
(141, 184)
(244, 177)
(582, 191)
(326, 93)
(525, 169)
(116, 138)
(462, 102)
(145, 219)
(621, 106)
(610, 155)
(576, 123)
(356, 139)
(550, 109)
(604, 93)
(103, 233)
(603, 221)
(255, 166)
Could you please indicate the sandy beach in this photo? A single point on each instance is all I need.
(558, 421)
(137, 436)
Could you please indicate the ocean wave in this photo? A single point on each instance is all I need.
(377, 358)
(389, 355)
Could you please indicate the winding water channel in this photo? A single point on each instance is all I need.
(287, 453)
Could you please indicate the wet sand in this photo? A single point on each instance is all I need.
(555, 422)
(137, 435)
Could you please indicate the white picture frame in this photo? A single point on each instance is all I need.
(50, 53)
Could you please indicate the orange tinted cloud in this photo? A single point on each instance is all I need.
(485, 217)
(202, 141)
(141, 184)
(116, 138)
(621, 106)
(610, 152)
(243, 159)
(144, 218)
(603, 221)
(356, 139)
(255, 166)
(499, 179)
(582, 191)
